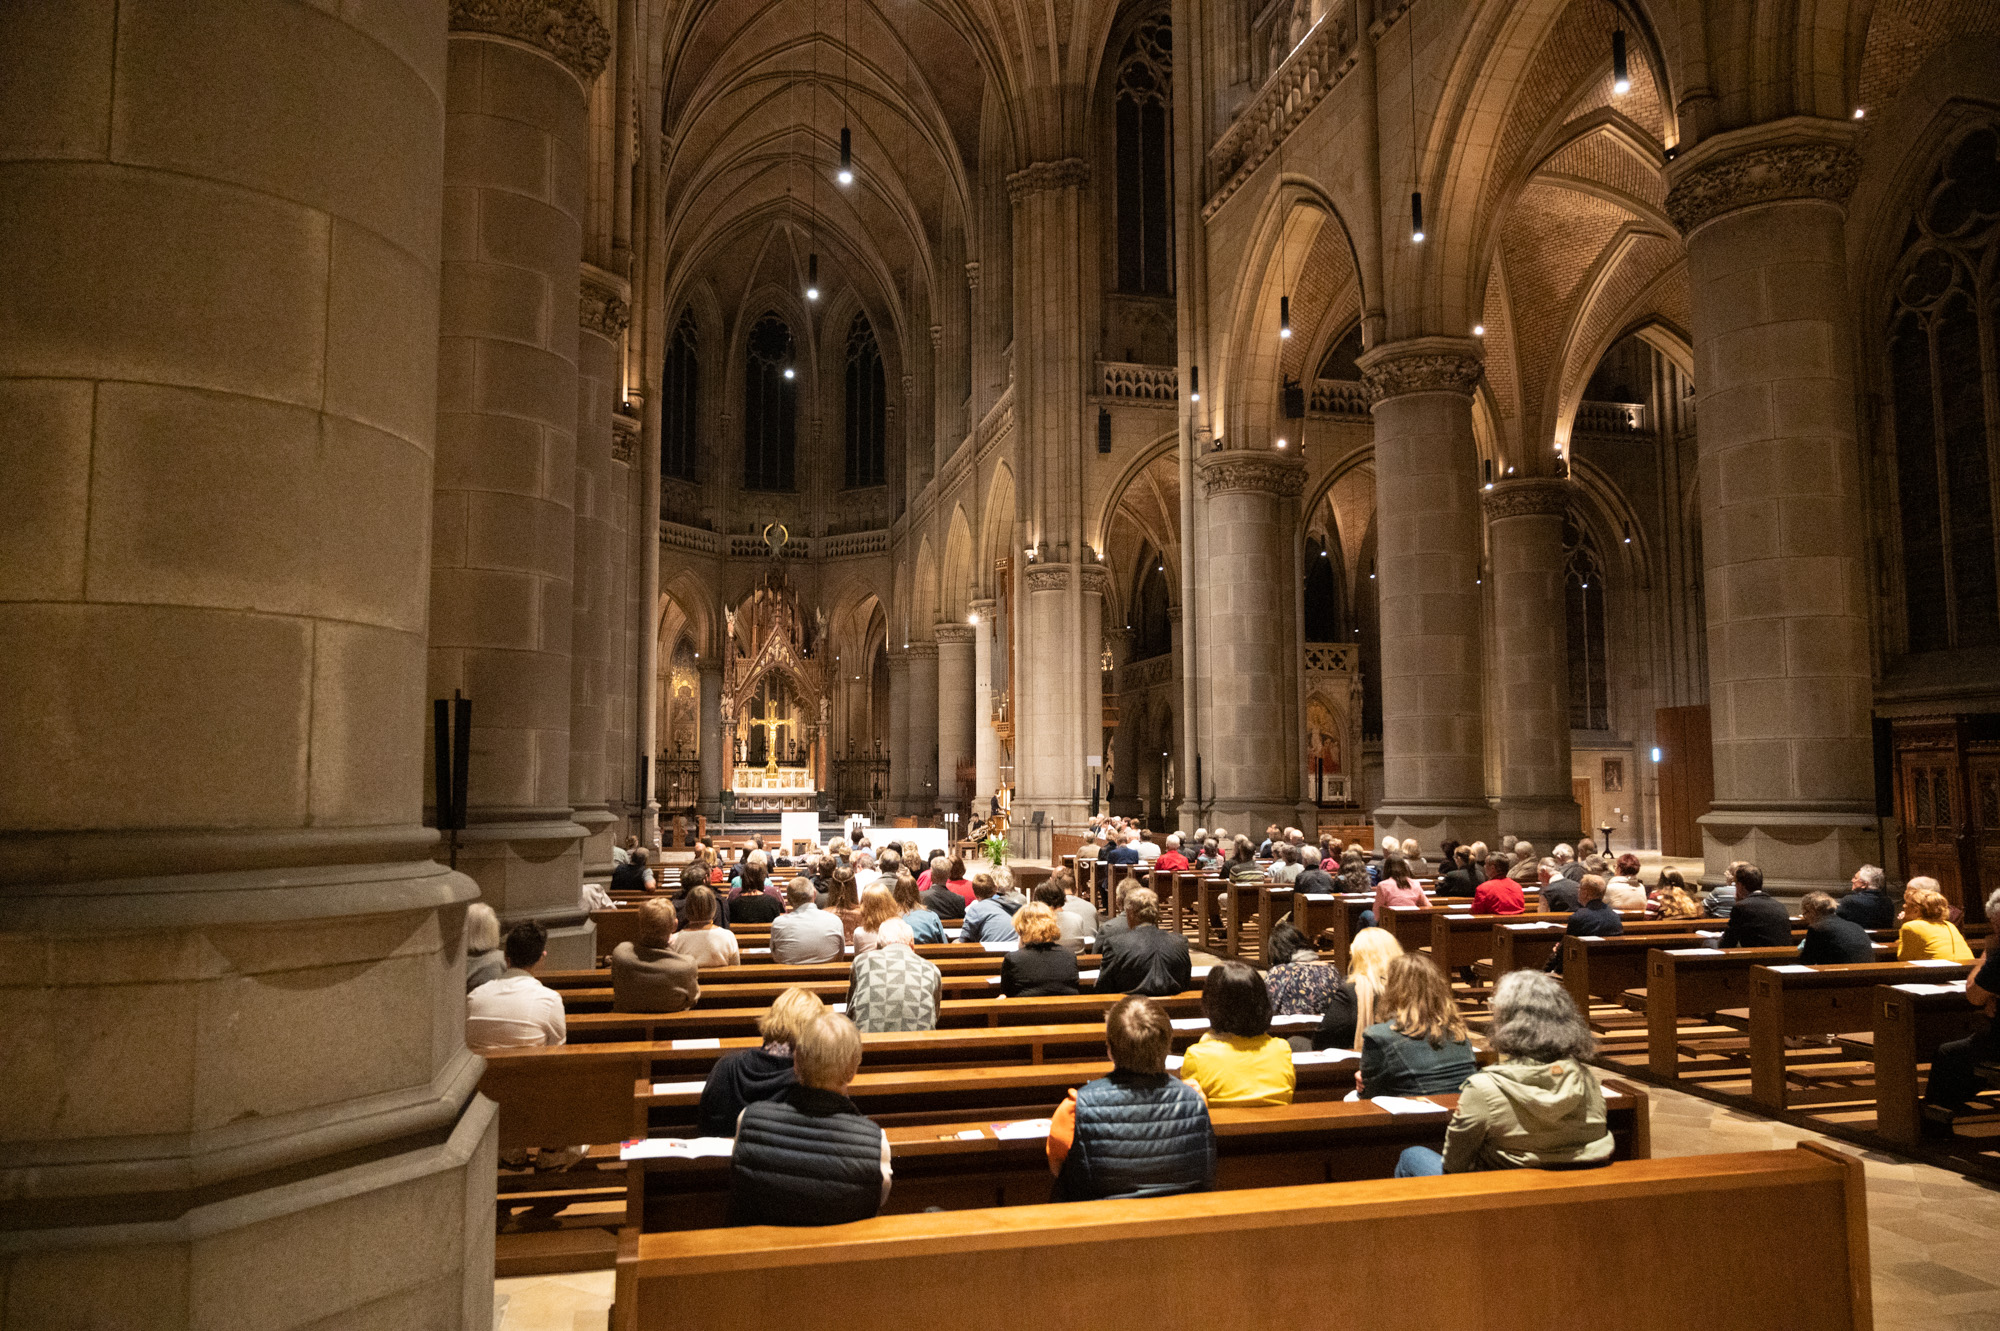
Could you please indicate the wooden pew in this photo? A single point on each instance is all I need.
(960, 1166)
(1819, 1000)
(1148, 1263)
(951, 959)
(1460, 938)
(1695, 982)
(722, 1022)
(1910, 1022)
(1313, 913)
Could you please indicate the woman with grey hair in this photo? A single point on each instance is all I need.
(1539, 1106)
(483, 960)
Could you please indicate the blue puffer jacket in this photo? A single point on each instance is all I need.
(1138, 1136)
(808, 1157)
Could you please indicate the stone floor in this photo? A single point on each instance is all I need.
(1932, 1234)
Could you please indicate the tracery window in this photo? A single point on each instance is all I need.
(1152, 624)
(680, 384)
(770, 407)
(1583, 590)
(867, 408)
(1943, 324)
(1145, 167)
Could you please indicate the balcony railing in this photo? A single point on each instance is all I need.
(1346, 398)
(1312, 69)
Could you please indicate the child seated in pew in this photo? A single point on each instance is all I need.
(1539, 1106)
(808, 1156)
(745, 1076)
(1138, 1132)
(1420, 1047)
(647, 975)
(1239, 1061)
(1927, 932)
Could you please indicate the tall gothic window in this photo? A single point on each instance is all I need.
(867, 411)
(770, 408)
(1324, 620)
(1152, 623)
(680, 388)
(1942, 365)
(1589, 679)
(1145, 171)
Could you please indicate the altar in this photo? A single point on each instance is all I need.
(775, 709)
(775, 788)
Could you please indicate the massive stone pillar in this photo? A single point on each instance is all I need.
(1789, 678)
(595, 604)
(1427, 555)
(986, 741)
(1251, 588)
(902, 764)
(504, 525)
(231, 973)
(923, 729)
(1530, 659)
(955, 715)
(713, 741)
(1125, 738)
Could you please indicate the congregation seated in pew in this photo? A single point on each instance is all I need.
(808, 1156)
(1351, 1007)
(1926, 932)
(1670, 900)
(700, 939)
(1954, 1067)
(892, 988)
(986, 920)
(878, 904)
(1239, 1061)
(1421, 1045)
(923, 921)
(1138, 1132)
(1142, 958)
(1831, 940)
(745, 1076)
(1592, 918)
(752, 899)
(805, 934)
(647, 974)
(1499, 894)
(940, 899)
(635, 875)
(1539, 1105)
(483, 958)
(1299, 981)
(1866, 901)
(1756, 918)
(1041, 967)
(1073, 929)
(517, 1011)
(1625, 891)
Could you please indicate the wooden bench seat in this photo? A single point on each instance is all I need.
(1793, 1000)
(1907, 1024)
(705, 1022)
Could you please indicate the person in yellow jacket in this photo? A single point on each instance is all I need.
(1239, 1061)
(1927, 933)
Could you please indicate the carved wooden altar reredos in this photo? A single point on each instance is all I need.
(772, 634)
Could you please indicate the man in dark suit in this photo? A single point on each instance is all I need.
(1142, 958)
(1757, 919)
(1592, 918)
(1831, 940)
(631, 875)
(1867, 901)
(1463, 880)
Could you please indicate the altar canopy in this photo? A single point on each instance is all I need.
(774, 698)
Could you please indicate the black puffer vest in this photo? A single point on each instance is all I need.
(808, 1157)
(1138, 1136)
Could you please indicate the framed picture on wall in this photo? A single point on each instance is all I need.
(1614, 774)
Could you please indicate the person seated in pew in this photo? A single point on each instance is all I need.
(986, 920)
(745, 1076)
(892, 988)
(808, 1156)
(1239, 1061)
(1539, 1106)
(1756, 919)
(623, 854)
(1138, 1132)
(1954, 1076)
(483, 958)
(1722, 900)
(1300, 983)
(1171, 859)
(1499, 894)
(517, 1011)
(923, 921)
(1626, 892)
(1242, 866)
(1352, 1007)
(1126, 851)
(1394, 887)
(1005, 895)
(647, 975)
(878, 903)
(1083, 908)
(805, 934)
(701, 940)
(1041, 967)
(1313, 876)
(1592, 918)
(1287, 864)
(693, 874)
(1143, 958)
(1420, 1046)
(1927, 932)
(1209, 858)
(633, 875)
(1070, 933)
(1462, 880)
(1866, 901)
(843, 899)
(946, 904)
(1830, 940)
(1670, 901)
(754, 901)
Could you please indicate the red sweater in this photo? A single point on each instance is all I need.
(1498, 896)
(1172, 861)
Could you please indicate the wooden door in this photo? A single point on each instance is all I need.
(1580, 790)
(1931, 804)
(1686, 773)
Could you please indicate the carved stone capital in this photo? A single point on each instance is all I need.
(1047, 577)
(601, 308)
(624, 437)
(972, 274)
(1040, 177)
(1800, 158)
(1421, 365)
(1252, 471)
(1528, 497)
(937, 336)
(921, 651)
(569, 30)
(983, 607)
(1094, 577)
(954, 633)
(1173, 612)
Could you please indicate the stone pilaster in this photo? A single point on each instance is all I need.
(231, 970)
(986, 741)
(1125, 739)
(1789, 676)
(955, 718)
(713, 742)
(1427, 557)
(594, 602)
(1252, 672)
(1529, 659)
(902, 764)
(923, 739)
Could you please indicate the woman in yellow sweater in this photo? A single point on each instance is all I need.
(1927, 934)
(1239, 1061)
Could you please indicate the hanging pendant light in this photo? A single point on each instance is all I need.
(1284, 316)
(846, 176)
(1194, 383)
(1416, 217)
(1621, 78)
(812, 277)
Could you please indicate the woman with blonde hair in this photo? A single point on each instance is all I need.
(745, 1076)
(1420, 1046)
(1355, 1005)
(1041, 967)
(1927, 932)
(1673, 903)
(878, 903)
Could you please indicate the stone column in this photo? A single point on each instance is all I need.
(1427, 553)
(1124, 739)
(955, 706)
(902, 765)
(1049, 729)
(504, 525)
(1251, 587)
(1789, 675)
(1530, 659)
(986, 742)
(923, 729)
(621, 748)
(231, 971)
(713, 741)
(594, 605)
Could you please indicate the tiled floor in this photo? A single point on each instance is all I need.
(1932, 1234)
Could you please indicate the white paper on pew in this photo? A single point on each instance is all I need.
(1397, 1104)
(676, 1148)
(1086, 975)
(1323, 1056)
(972, 1135)
(1321, 896)
(841, 1008)
(1198, 972)
(1011, 945)
(1028, 1129)
(697, 1044)
(1793, 970)
(1693, 951)
(678, 1088)
(1708, 933)
(1174, 1062)
(1937, 961)
(1295, 1021)
(1930, 988)
(1190, 1023)
(1548, 924)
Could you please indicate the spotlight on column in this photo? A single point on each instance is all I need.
(791, 373)
(1284, 316)
(1479, 330)
(972, 618)
(1621, 77)
(1281, 443)
(1489, 473)
(1416, 217)
(812, 277)
(1860, 112)
(1194, 383)
(846, 176)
